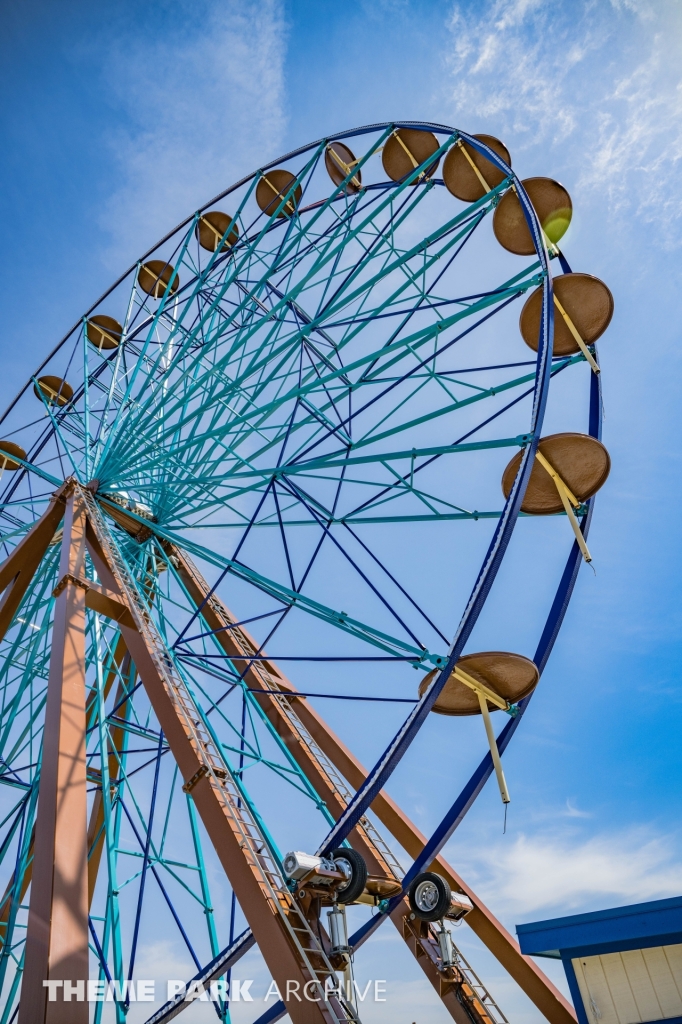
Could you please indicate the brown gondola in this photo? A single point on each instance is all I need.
(481, 683)
(552, 205)
(212, 226)
(581, 461)
(584, 299)
(154, 277)
(469, 175)
(271, 190)
(407, 149)
(103, 331)
(511, 676)
(53, 390)
(7, 449)
(340, 162)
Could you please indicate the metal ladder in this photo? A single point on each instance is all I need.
(473, 988)
(273, 685)
(470, 979)
(478, 989)
(243, 823)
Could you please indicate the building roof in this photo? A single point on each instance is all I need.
(637, 926)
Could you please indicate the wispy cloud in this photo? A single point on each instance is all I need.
(640, 139)
(574, 812)
(509, 65)
(561, 872)
(202, 104)
(602, 80)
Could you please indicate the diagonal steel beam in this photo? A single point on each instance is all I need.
(211, 972)
(283, 713)
(293, 951)
(539, 988)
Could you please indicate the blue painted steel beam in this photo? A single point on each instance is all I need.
(391, 757)
(275, 1012)
(145, 864)
(550, 632)
(485, 768)
(213, 970)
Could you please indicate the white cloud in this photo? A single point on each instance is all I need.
(640, 139)
(508, 65)
(560, 872)
(602, 79)
(574, 812)
(202, 104)
(513, 12)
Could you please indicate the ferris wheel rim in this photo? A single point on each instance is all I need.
(425, 126)
(541, 385)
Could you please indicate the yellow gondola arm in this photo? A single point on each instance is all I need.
(494, 752)
(105, 334)
(343, 166)
(474, 684)
(218, 234)
(414, 162)
(485, 694)
(474, 168)
(280, 195)
(556, 478)
(568, 499)
(576, 335)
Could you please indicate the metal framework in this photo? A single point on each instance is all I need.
(335, 367)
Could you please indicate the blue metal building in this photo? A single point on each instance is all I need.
(624, 966)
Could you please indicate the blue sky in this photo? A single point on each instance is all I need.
(119, 120)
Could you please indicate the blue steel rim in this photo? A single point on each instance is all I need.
(146, 560)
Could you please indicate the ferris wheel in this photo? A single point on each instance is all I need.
(277, 468)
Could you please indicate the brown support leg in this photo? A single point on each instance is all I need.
(291, 949)
(481, 920)
(95, 833)
(501, 944)
(57, 936)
